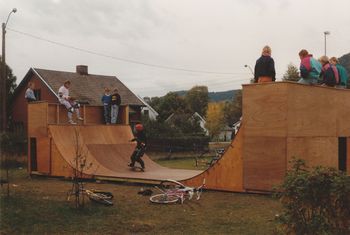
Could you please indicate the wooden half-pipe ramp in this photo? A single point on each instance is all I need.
(107, 150)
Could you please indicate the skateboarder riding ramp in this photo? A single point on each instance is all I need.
(107, 150)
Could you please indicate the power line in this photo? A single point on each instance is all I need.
(119, 58)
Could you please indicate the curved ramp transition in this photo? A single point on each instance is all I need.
(108, 150)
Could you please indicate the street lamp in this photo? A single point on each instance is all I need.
(251, 70)
(325, 41)
(4, 73)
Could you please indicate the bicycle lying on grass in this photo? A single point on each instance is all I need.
(98, 196)
(173, 191)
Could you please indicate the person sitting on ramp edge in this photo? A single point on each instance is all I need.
(139, 151)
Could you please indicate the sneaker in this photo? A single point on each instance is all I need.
(143, 169)
(80, 118)
(72, 122)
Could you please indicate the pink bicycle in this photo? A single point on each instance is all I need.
(173, 191)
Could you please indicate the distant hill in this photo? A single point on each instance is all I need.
(345, 61)
(215, 96)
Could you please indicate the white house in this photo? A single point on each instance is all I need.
(148, 110)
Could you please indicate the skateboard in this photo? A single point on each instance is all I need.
(137, 168)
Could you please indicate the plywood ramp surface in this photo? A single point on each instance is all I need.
(227, 173)
(108, 150)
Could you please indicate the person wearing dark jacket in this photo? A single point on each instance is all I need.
(139, 151)
(264, 70)
(329, 73)
(115, 103)
(106, 101)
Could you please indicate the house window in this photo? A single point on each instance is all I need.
(37, 93)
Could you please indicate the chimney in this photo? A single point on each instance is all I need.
(82, 69)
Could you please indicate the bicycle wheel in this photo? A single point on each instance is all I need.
(164, 198)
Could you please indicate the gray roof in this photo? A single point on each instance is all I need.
(88, 88)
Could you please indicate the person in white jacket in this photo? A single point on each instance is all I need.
(29, 95)
(68, 102)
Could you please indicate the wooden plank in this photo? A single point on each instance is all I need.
(125, 115)
(315, 151)
(37, 119)
(63, 117)
(227, 173)
(265, 109)
(343, 112)
(264, 162)
(94, 115)
(312, 111)
(59, 167)
(43, 155)
(52, 114)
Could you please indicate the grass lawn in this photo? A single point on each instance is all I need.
(38, 206)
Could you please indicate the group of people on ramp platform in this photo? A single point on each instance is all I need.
(111, 103)
(324, 71)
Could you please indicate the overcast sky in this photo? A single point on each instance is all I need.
(216, 36)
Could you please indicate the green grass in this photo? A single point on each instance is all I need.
(39, 206)
(185, 163)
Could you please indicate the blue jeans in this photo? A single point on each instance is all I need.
(107, 113)
(114, 113)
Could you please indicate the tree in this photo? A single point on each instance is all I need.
(292, 73)
(215, 119)
(197, 99)
(168, 104)
(81, 164)
(10, 88)
(233, 109)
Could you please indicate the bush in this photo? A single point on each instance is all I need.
(315, 201)
(13, 143)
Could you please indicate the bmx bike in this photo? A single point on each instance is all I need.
(173, 192)
(101, 197)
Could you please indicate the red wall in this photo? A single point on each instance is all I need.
(20, 104)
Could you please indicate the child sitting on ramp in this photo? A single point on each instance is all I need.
(140, 149)
(69, 102)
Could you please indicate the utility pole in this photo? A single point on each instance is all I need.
(4, 75)
(3, 81)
